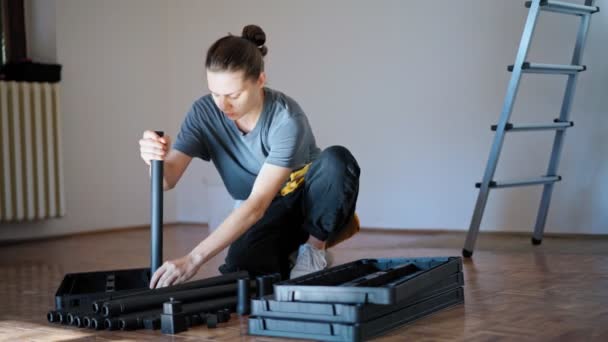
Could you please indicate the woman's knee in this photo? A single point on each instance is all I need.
(339, 158)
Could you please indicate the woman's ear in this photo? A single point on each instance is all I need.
(262, 79)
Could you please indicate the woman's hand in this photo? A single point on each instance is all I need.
(153, 147)
(174, 272)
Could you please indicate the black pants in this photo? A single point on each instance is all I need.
(321, 207)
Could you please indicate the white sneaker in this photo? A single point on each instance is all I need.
(309, 260)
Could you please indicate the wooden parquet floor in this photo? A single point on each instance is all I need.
(513, 291)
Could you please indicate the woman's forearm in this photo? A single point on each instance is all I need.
(169, 177)
(235, 225)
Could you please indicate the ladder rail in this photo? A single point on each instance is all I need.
(556, 150)
(522, 53)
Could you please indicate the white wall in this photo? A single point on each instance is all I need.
(114, 85)
(410, 87)
(40, 26)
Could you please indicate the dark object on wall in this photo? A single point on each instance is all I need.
(28, 71)
(13, 21)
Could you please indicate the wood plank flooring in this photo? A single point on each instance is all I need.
(513, 291)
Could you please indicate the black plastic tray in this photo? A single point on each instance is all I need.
(346, 313)
(80, 290)
(377, 281)
(328, 331)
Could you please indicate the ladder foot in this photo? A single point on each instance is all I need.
(467, 254)
(536, 242)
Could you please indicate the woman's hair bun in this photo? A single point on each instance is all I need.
(256, 35)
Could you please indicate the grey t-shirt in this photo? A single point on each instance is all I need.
(282, 137)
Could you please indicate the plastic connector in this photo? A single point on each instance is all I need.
(223, 315)
(265, 284)
(172, 320)
(211, 321)
(243, 306)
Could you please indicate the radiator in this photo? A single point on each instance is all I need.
(31, 176)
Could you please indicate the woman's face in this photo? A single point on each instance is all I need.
(233, 94)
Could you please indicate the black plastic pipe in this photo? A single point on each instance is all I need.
(96, 323)
(156, 227)
(56, 316)
(126, 321)
(139, 303)
(135, 320)
(229, 278)
(212, 305)
(243, 296)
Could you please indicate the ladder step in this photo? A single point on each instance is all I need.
(565, 7)
(538, 68)
(558, 125)
(533, 181)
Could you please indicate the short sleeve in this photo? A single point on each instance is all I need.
(191, 139)
(286, 142)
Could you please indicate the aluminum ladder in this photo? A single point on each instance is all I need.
(560, 125)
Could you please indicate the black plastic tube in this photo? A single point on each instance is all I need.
(116, 323)
(86, 321)
(55, 316)
(210, 305)
(243, 306)
(139, 303)
(97, 323)
(92, 321)
(136, 320)
(265, 285)
(71, 317)
(156, 227)
(229, 278)
(62, 317)
(75, 319)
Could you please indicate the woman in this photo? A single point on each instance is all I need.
(288, 192)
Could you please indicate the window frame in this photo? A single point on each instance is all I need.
(13, 46)
(2, 40)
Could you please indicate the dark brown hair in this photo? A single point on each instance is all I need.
(245, 53)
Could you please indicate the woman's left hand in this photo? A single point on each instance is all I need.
(174, 272)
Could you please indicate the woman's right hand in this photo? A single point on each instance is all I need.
(153, 147)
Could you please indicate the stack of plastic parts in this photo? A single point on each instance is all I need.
(358, 300)
(122, 300)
